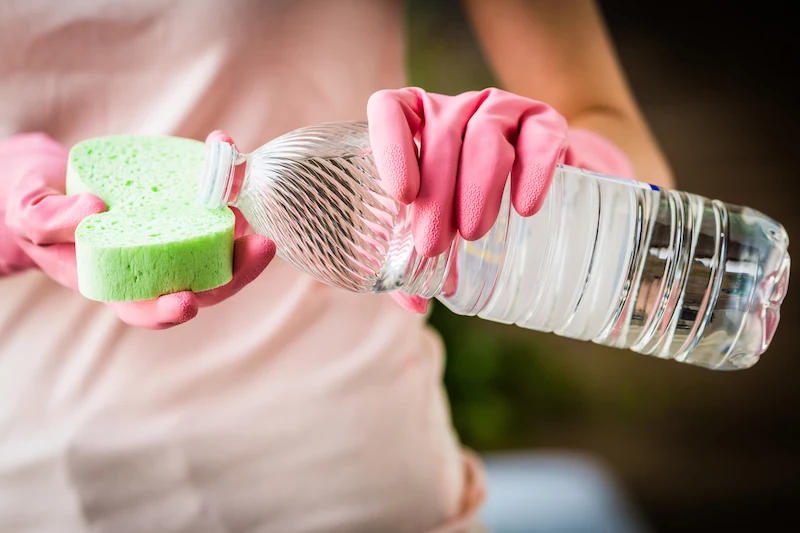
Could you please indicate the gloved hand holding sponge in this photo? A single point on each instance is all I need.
(469, 145)
(39, 224)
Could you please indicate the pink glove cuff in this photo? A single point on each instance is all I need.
(592, 151)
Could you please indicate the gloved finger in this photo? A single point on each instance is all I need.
(251, 255)
(540, 146)
(419, 305)
(487, 157)
(414, 304)
(55, 260)
(451, 282)
(219, 135)
(241, 223)
(395, 118)
(434, 220)
(162, 313)
(241, 227)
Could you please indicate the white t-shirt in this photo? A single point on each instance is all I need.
(291, 407)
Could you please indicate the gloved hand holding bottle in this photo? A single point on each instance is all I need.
(38, 227)
(469, 146)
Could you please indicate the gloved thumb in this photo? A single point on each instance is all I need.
(44, 216)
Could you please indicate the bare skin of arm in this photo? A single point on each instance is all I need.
(559, 52)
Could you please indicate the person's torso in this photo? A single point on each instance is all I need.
(290, 393)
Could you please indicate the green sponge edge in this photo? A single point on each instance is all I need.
(147, 245)
(130, 273)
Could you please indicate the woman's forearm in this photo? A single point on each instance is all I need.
(559, 52)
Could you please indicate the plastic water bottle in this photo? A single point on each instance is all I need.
(613, 261)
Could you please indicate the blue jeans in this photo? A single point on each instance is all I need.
(554, 493)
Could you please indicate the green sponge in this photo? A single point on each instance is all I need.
(154, 239)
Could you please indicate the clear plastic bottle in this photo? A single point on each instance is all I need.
(616, 262)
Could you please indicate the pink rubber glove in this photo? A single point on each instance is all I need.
(469, 145)
(12, 258)
(39, 231)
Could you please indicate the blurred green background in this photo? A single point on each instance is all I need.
(697, 450)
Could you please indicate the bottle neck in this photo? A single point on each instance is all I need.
(430, 277)
(407, 270)
(223, 175)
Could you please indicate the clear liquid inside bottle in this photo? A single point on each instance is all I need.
(663, 273)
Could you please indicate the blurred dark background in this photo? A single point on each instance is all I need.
(696, 450)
